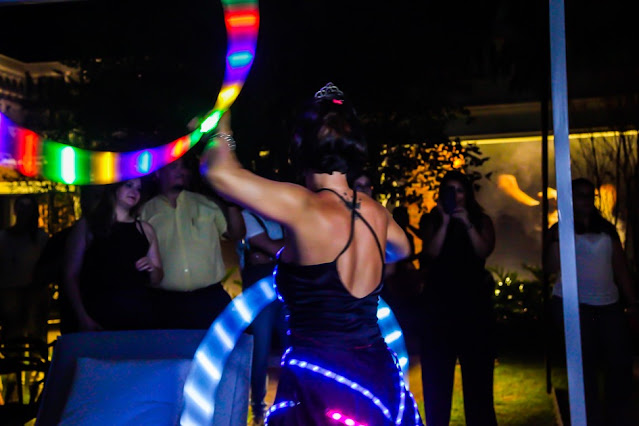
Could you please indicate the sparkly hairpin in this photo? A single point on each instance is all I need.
(331, 92)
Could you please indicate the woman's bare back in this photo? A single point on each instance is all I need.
(327, 232)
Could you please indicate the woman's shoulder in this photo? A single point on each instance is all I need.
(370, 206)
(146, 226)
(607, 227)
(485, 218)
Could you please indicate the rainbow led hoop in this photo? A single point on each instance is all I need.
(34, 156)
(204, 377)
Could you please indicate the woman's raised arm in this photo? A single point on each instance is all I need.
(282, 202)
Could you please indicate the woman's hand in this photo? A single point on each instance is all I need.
(224, 125)
(144, 264)
(213, 153)
(461, 214)
(445, 216)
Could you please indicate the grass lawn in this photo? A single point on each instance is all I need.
(520, 393)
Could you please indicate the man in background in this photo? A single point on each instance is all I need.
(189, 226)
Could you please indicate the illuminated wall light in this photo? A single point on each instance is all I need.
(68, 165)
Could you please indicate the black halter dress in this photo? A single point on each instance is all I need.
(338, 369)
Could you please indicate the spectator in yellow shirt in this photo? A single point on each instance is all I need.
(189, 227)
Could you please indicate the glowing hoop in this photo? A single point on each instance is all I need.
(32, 155)
(208, 363)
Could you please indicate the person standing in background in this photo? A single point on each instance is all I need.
(20, 247)
(264, 239)
(189, 226)
(458, 320)
(605, 286)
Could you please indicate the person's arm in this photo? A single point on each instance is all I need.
(152, 262)
(433, 238)
(622, 273)
(397, 244)
(265, 244)
(74, 257)
(284, 202)
(483, 241)
(234, 223)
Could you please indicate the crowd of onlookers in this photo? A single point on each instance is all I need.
(133, 262)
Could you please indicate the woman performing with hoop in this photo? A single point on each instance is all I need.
(338, 369)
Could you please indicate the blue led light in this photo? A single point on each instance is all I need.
(212, 354)
(143, 164)
(392, 332)
(240, 59)
(207, 366)
(342, 380)
(277, 407)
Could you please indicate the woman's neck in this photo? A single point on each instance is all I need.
(336, 181)
(122, 214)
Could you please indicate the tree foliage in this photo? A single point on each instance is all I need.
(410, 152)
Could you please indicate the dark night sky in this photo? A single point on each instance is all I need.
(386, 55)
(356, 42)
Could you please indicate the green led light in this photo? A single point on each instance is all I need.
(211, 122)
(68, 165)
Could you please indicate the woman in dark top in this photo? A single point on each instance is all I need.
(458, 320)
(329, 273)
(112, 261)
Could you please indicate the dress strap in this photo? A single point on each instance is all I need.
(355, 214)
(140, 228)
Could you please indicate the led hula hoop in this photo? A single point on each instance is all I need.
(32, 155)
(202, 382)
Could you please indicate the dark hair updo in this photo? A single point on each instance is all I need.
(328, 137)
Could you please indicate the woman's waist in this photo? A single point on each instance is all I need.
(346, 339)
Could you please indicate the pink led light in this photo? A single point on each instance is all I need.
(342, 419)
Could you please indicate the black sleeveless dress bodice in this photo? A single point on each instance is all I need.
(115, 294)
(322, 310)
(338, 366)
(110, 260)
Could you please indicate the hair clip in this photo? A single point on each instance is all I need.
(330, 91)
